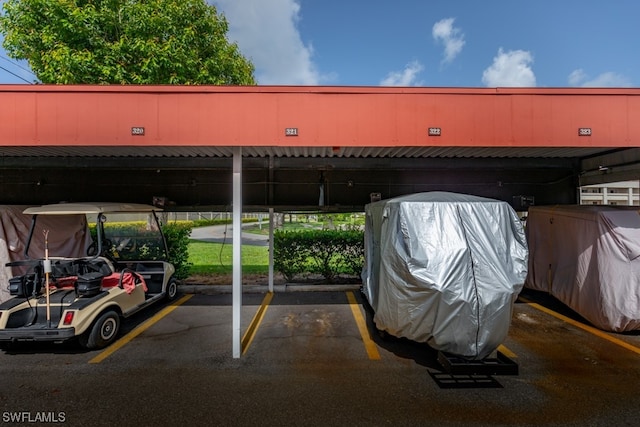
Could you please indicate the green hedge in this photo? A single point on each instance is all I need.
(325, 252)
(177, 236)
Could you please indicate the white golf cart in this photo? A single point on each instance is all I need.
(123, 269)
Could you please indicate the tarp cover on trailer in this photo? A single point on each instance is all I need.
(588, 257)
(445, 269)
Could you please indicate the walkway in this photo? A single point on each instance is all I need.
(224, 234)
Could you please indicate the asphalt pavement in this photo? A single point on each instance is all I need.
(308, 364)
(310, 359)
(224, 234)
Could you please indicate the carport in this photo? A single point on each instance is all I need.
(329, 149)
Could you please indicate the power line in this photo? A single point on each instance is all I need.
(16, 75)
(17, 65)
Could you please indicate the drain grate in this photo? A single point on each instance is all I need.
(444, 380)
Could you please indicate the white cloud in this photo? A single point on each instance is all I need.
(267, 34)
(512, 68)
(577, 77)
(406, 77)
(452, 38)
(609, 79)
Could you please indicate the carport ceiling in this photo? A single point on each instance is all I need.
(296, 152)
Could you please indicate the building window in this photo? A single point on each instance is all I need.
(586, 190)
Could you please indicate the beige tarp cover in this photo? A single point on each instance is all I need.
(445, 269)
(588, 257)
(68, 237)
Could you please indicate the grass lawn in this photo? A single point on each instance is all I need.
(216, 258)
(287, 226)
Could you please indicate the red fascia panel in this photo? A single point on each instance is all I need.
(323, 116)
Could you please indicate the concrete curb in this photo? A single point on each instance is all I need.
(288, 287)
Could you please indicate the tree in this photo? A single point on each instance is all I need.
(124, 41)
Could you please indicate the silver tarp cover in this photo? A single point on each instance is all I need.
(445, 269)
(589, 258)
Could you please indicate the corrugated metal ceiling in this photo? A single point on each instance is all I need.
(347, 152)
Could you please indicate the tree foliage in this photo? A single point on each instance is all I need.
(124, 41)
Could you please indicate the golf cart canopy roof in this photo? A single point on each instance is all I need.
(88, 208)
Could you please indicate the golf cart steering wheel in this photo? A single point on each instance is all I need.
(92, 250)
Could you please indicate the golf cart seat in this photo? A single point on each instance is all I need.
(126, 279)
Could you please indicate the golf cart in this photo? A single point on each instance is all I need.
(60, 297)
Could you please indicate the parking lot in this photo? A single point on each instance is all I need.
(313, 358)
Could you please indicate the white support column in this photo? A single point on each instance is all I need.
(270, 249)
(237, 252)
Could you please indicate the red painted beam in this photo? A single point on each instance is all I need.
(43, 115)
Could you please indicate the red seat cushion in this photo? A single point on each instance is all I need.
(111, 280)
(128, 281)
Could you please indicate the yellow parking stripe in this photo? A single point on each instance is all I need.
(257, 319)
(504, 350)
(590, 329)
(138, 330)
(369, 345)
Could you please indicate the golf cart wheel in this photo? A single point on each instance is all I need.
(103, 332)
(172, 289)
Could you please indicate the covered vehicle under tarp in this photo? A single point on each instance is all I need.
(444, 269)
(588, 257)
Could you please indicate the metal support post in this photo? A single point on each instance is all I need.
(237, 251)
(270, 249)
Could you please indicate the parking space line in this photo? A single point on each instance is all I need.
(590, 329)
(138, 330)
(504, 350)
(257, 319)
(369, 345)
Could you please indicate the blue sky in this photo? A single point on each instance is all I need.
(463, 43)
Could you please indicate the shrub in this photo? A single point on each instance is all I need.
(177, 236)
(352, 251)
(325, 252)
(289, 254)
